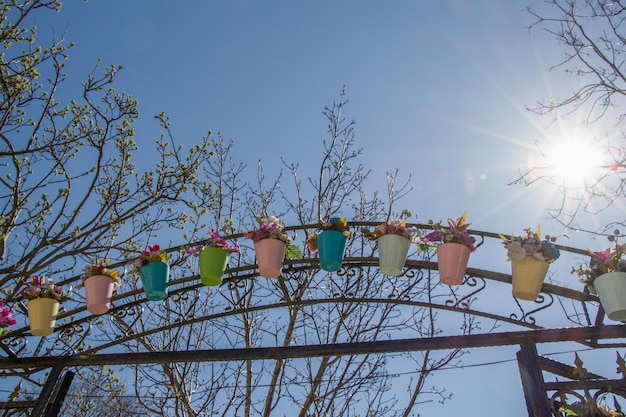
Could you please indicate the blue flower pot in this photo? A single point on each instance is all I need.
(154, 277)
(331, 245)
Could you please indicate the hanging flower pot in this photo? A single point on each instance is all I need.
(528, 274)
(213, 263)
(155, 277)
(611, 288)
(98, 292)
(99, 282)
(331, 246)
(43, 304)
(272, 245)
(154, 272)
(213, 257)
(42, 315)
(394, 239)
(392, 252)
(452, 260)
(530, 257)
(270, 254)
(453, 250)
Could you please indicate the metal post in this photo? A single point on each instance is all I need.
(46, 393)
(59, 395)
(532, 380)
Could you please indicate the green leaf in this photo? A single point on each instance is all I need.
(293, 252)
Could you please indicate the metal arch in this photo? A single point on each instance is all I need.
(77, 323)
(72, 332)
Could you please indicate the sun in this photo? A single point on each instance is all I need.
(575, 160)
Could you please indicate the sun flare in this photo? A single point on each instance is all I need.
(574, 160)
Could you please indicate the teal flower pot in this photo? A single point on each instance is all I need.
(331, 246)
(213, 262)
(154, 277)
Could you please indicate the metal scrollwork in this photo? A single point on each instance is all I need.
(528, 317)
(464, 301)
(587, 403)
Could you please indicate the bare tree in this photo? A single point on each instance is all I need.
(70, 192)
(593, 37)
(305, 306)
(98, 392)
(60, 213)
(56, 208)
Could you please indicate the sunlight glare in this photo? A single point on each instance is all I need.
(574, 160)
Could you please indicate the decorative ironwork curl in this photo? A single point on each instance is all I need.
(72, 337)
(236, 283)
(414, 271)
(528, 317)
(463, 302)
(15, 345)
(587, 402)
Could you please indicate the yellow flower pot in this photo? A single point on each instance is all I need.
(42, 315)
(528, 275)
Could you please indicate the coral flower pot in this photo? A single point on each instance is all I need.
(452, 259)
(98, 291)
(42, 315)
(611, 288)
(155, 277)
(331, 246)
(213, 262)
(392, 253)
(528, 275)
(270, 254)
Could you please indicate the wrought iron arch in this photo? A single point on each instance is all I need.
(80, 338)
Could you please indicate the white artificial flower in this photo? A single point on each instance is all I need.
(516, 251)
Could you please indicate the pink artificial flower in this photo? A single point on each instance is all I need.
(605, 255)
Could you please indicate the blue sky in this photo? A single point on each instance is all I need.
(438, 89)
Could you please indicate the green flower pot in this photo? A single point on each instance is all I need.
(392, 253)
(611, 289)
(213, 263)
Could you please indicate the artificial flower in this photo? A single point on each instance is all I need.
(6, 317)
(101, 269)
(391, 227)
(338, 224)
(269, 228)
(214, 241)
(152, 253)
(456, 232)
(39, 288)
(603, 262)
(519, 247)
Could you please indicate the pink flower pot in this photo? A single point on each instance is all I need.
(452, 259)
(270, 254)
(98, 291)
